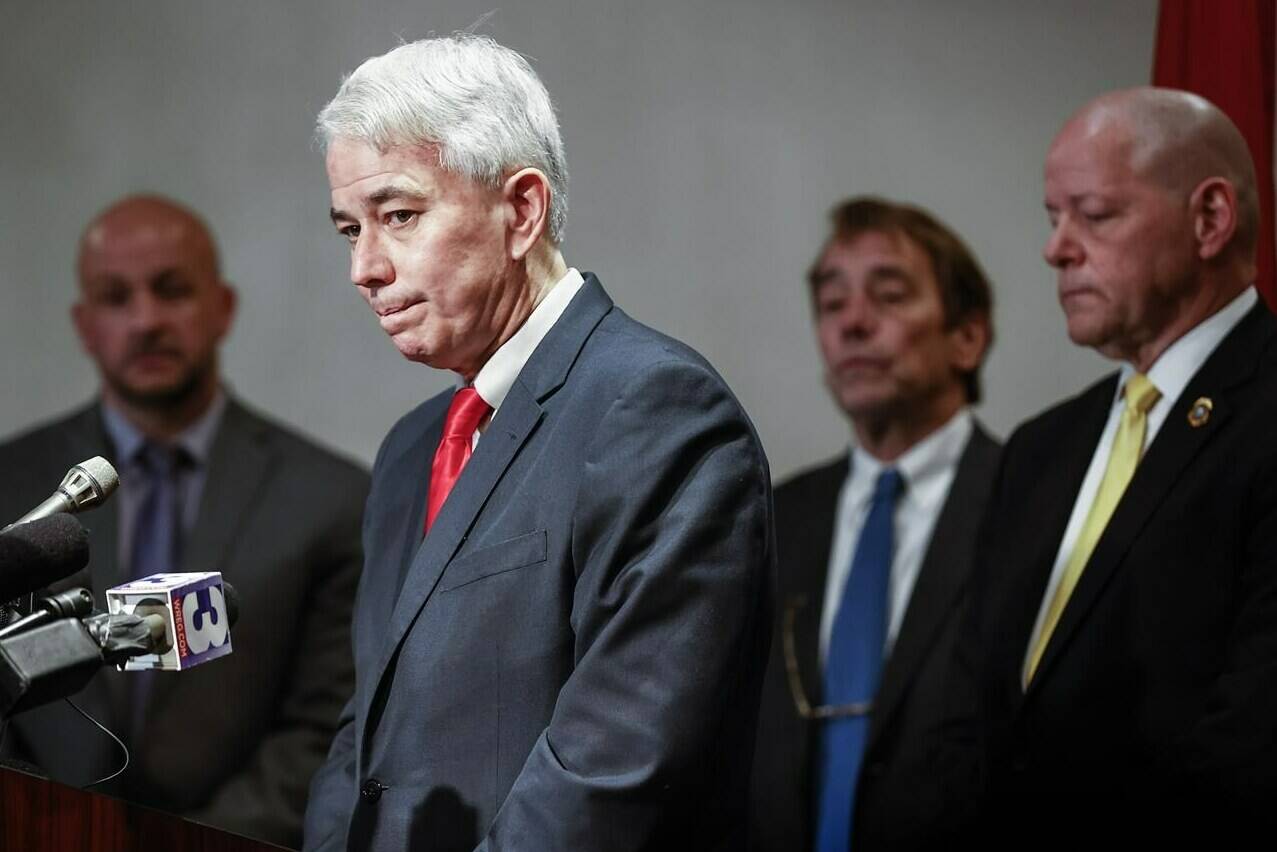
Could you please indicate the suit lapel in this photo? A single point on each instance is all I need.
(106, 695)
(515, 421)
(811, 570)
(944, 572)
(87, 437)
(1165, 461)
(238, 467)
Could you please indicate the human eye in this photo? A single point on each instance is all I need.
(172, 287)
(349, 231)
(111, 296)
(890, 289)
(829, 304)
(401, 217)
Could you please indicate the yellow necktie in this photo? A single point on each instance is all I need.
(1128, 445)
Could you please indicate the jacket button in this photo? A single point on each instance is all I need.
(371, 790)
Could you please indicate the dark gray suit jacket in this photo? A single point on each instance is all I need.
(571, 659)
(233, 742)
(898, 799)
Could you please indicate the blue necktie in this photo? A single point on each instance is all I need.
(854, 665)
(157, 529)
(157, 535)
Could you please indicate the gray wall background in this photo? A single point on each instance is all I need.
(706, 143)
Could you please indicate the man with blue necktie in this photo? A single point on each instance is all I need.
(206, 484)
(875, 546)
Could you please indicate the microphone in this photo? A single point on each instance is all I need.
(58, 659)
(73, 603)
(37, 553)
(195, 609)
(85, 486)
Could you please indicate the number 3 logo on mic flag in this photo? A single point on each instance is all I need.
(204, 612)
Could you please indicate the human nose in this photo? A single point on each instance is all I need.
(148, 311)
(369, 265)
(857, 317)
(1061, 247)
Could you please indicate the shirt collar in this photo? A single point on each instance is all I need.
(1172, 371)
(497, 376)
(930, 457)
(196, 439)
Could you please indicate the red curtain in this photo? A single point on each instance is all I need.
(1223, 51)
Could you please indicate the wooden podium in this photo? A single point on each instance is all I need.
(37, 815)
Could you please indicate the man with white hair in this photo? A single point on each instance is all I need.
(563, 619)
(1123, 631)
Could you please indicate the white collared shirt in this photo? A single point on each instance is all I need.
(927, 469)
(498, 375)
(1170, 374)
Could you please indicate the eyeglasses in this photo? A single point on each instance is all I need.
(801, 704)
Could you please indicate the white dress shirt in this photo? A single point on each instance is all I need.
(927, 469)
(1170, 374)
(497, 376)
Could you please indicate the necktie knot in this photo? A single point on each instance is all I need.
(465, 413)
(161, 460)
(1141, 394)
(888, 486)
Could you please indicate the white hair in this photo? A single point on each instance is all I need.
(479, 103)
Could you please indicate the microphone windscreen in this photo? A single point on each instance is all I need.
(102, 473)
(38, 553)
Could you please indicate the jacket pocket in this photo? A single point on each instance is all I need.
(509, 555)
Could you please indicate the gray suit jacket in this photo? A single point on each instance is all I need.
(571, 659)
(898, 799)
(233, 742)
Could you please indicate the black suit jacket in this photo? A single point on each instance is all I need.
(233, 742)
(572, 658)
(1154, 708)
(897, 797)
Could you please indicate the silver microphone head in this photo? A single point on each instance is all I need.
(89, 483)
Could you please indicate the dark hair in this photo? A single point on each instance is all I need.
(964, 289)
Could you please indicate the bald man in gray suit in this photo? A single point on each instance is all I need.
(235, 742)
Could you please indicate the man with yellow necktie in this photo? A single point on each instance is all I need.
(1119, 661)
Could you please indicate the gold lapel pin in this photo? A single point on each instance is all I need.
(1200, 412)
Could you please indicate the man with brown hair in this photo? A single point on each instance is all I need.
(875, 546)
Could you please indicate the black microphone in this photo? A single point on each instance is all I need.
(73, 603)
(86, 485)
(58, 659)
(40, 552)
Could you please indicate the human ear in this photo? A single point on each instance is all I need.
(969, 340)
(526, 195)
(1214, 207)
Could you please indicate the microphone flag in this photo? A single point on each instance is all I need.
(193, 608)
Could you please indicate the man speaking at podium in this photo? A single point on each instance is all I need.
(563, 617)
(206, 485)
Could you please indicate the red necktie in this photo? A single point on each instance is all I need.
(464, 416)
